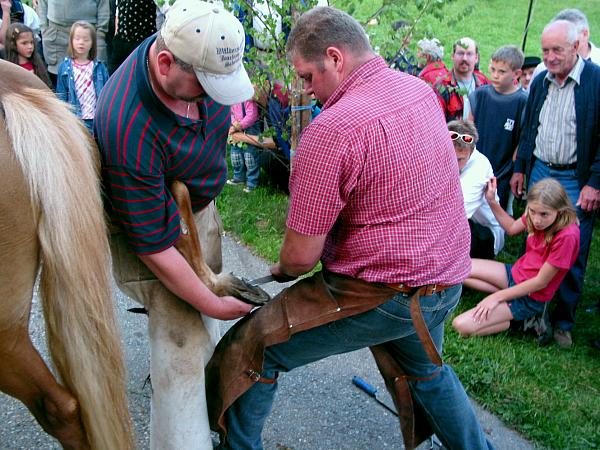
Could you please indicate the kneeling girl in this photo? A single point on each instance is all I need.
(522, 290)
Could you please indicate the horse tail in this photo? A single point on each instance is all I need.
(60, 162)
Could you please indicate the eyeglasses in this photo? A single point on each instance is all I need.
(466, 138)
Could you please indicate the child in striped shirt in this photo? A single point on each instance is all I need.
(81, 76)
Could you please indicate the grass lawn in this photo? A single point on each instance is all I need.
(549, 394)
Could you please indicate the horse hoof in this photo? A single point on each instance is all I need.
(255, 295)
(244, 291)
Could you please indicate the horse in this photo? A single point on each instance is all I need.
(52, 222)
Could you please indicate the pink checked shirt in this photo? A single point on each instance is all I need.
(376, 171)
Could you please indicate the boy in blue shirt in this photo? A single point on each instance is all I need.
(497, 110)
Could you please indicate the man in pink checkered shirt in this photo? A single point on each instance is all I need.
(374, 196)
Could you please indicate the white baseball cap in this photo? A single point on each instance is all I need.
(210, 39)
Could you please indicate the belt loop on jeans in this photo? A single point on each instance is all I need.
(257, 378)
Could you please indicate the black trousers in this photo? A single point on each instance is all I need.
(482, 241)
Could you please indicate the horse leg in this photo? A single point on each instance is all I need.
(30, 381)
(181, 344)
(23, 373)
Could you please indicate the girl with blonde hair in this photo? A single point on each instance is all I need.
(523, 290)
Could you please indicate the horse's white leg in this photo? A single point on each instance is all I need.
(180, 347)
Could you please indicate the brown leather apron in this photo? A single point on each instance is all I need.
(317, 300)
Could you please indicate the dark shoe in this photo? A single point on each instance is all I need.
(234, 182)
(545, 339)
(596, 343)
(563, 338)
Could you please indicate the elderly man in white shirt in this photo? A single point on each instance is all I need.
(487, 236)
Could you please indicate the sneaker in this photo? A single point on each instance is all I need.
(247, 190)
(563, 338)
(234, 182)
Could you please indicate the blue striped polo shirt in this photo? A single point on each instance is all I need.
(144, 146)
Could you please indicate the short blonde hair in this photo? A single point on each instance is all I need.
(86, 26)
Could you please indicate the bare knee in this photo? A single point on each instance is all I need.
(463, 323)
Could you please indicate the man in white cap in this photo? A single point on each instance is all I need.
(161, 117)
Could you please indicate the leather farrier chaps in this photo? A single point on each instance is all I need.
(319, 299)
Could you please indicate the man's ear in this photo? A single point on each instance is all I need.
(164, 61)
(585, 33)
(336, 57)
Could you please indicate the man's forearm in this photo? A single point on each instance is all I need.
(171, 268)
(300, 253)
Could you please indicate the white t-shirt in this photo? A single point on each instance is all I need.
(473, 181)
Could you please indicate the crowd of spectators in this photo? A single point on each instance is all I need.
(530, 120)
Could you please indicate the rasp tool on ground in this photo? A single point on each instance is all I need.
(372, 391)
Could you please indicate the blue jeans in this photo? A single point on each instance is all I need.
(571, 288)
(443, 397)
(246, 164)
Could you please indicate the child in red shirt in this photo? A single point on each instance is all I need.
(523, 290)
(20, 49)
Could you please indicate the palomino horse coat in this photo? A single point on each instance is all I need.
(51, 219)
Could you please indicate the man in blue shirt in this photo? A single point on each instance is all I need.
(162, 117)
